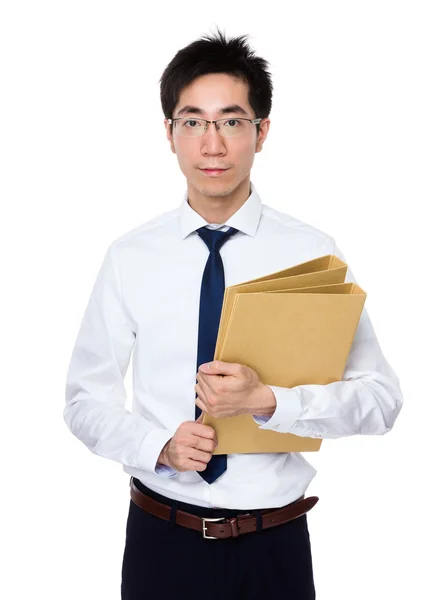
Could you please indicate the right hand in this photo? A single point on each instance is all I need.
(191, 447)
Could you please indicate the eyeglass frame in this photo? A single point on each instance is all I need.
(253, 121)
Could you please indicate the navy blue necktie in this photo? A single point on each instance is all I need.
(211, 300)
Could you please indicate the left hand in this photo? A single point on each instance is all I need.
(228, 389)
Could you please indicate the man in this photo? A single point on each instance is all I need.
(199, 525)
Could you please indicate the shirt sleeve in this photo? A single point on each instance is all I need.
(366, 401)
(95, 393)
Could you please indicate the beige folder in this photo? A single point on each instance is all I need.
(318, 271)
(292, 335)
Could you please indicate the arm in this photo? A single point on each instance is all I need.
(366, 401)
(95, 394)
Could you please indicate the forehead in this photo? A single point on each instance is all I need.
(210, 93)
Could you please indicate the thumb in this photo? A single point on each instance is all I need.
(200, 418)
(218, 367)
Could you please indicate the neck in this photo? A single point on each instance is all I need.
(218, 208)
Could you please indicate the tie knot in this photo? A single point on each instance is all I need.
(214, 238)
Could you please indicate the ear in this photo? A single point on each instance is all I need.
(263, 133)
(169, 135)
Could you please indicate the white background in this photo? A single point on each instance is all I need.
(356, 148)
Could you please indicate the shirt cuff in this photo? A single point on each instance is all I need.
(288, 410)
(261, 419)
(150, 451)
(165, 471)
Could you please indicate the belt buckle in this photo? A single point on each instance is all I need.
(204, 520)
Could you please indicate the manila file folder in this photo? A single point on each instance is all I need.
(292, 335)
(319, 271)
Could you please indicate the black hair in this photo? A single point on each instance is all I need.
(217, 54)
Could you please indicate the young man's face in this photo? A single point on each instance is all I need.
(211, 93)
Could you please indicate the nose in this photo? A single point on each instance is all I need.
(212, 141)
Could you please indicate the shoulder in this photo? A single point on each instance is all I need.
(292, 225)
(156, 226)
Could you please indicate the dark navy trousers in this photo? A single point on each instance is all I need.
(165, 561)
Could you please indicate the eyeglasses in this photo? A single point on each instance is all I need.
(226, 127)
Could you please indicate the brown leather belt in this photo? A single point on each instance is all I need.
(224, 527)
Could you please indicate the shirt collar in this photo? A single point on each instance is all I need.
(246, 219)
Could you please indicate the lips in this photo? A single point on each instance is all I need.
(213, 171)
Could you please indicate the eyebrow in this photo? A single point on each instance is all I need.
(194, 110)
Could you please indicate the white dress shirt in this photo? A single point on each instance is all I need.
(145, 300)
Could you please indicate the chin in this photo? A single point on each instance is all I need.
(216, 192)
(214, 189)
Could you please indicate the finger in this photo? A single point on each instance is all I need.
(205, 432)
(205, 444)
(204, 387)
(200, 456)
(219, 367)
(200, 405)
(194, 465)
(190, 465)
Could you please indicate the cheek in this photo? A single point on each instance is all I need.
(186, 161)
(182, 153)
(185, 152)
(246, 150)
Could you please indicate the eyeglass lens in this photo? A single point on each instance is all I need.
(196, 127)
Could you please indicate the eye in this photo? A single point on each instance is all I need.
(192, 121)
(231, 121)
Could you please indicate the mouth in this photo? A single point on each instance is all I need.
(214, 172)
